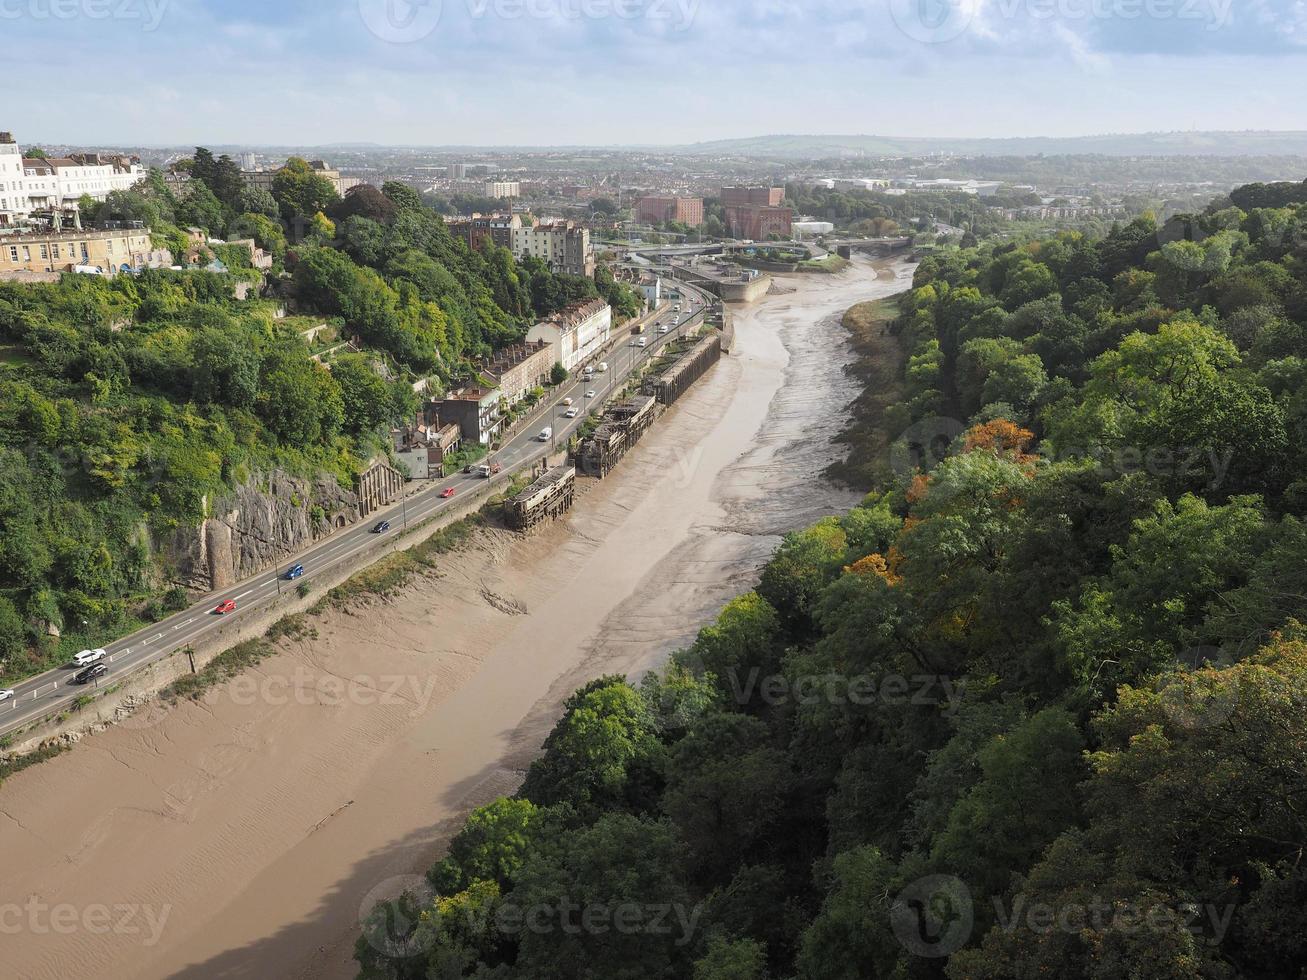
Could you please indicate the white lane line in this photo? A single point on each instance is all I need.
(244, 594)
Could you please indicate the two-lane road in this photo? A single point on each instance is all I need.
(54, 690)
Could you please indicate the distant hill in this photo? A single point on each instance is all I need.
(1249, 143)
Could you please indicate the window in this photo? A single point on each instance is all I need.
(43, 253)
(54, 251)
(27, 254)
(13, 253)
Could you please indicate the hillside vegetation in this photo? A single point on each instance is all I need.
(1034, 709)
(131, 407)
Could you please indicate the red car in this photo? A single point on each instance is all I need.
(447, 492)
(226, 606)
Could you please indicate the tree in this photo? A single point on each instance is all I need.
(301, 192)
(744, 959)
(365, 396)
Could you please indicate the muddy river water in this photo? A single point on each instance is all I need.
(239, 836)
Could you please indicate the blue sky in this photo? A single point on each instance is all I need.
(642, 71)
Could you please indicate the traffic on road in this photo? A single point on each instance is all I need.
(47, 693)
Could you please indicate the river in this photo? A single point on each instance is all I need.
(240, 836)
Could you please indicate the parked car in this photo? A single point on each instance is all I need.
(382, 527)
(447, 492)
(226, 606)
(89, 657)
(295, 572)
(90, 673)
(571, 413)
(6, 695)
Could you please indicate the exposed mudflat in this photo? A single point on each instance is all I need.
(239, 836)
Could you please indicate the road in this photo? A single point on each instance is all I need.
(55, 690)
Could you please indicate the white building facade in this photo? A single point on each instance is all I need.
(578, 332)
(58, 183)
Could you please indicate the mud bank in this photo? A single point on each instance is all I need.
(239, 836)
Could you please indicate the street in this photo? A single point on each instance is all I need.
(54, 690)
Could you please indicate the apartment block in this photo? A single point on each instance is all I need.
(767, 197)
(656, 210)
(479, 229)
(502, 188)
(563, 245)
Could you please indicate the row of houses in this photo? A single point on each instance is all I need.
(40, 185)
(481, 408)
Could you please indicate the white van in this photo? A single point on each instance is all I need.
(603, 367)
(589, 370)
(546, 434)
(89, 657)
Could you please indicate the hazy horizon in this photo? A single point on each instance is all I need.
(620, 72)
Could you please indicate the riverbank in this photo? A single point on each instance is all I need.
(256, 821)
(879, 369)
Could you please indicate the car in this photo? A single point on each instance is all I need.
(545, 434)
(467, 468)
(294, 572)
(381, 528)
(224, 607)
(447, 492)
(642, 342)
(571, 413)
(590, 393)
(6, 695)
(566, 403)
(89, 657)
(90, 673)
(664, 328)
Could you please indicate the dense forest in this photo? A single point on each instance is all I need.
(1036, 708)
(129, 405)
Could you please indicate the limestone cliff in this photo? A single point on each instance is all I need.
(257, 526)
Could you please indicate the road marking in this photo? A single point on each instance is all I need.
(244, 594)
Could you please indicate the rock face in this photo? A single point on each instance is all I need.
(263, 521)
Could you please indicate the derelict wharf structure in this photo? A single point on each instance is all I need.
(548, 498)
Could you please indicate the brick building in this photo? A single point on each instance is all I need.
(656, 210)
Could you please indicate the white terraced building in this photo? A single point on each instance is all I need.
(30, 185)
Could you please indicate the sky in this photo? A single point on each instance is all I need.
(558, 72)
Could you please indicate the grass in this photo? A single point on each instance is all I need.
(879, 365)
(49, 750)
(223, 667)
(830, 263)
